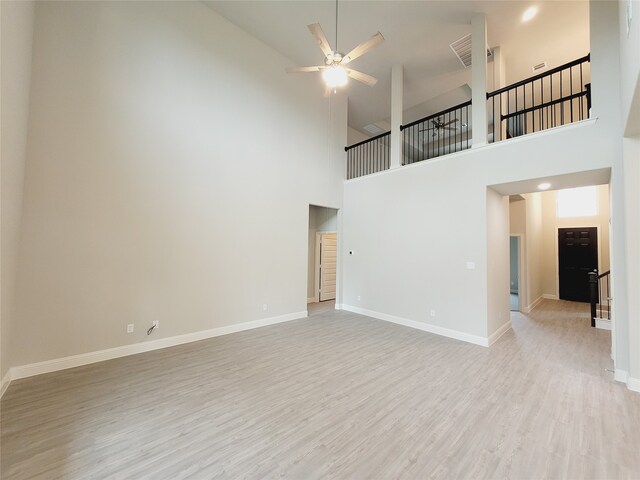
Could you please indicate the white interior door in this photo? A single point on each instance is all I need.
(328, 254)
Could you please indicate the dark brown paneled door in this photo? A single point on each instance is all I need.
(577, 256)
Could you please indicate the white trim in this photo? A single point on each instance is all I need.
(338, 306)
(316, 267)
(6, 381)
(620, 375)
(425, 327)
(633, 384)
(311, 300)
(495, 336)
(549, 296)
(125, 350)
(533, 305)
(603, 323)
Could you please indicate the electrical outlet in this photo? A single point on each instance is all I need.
(264, 307)
(359, 298)
(130, 328)
(432, 313)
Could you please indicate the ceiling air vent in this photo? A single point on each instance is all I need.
(539, 67)
(462, 49)
(373, 129)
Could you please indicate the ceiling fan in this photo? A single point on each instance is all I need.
(439, 126)
(333, 71)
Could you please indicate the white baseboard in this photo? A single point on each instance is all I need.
(533, 305)
(495, 336)
(633, 384)
(425, 327)
(125, 350)
(311, 299)
(620, 375)
(6, 380)
(549, 296)
(603, 324)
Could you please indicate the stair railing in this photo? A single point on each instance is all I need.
(600, 295)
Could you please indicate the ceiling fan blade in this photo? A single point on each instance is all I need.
(362, 77)
(316, 31)
(363, 48)
(303, 69)
(450, 122)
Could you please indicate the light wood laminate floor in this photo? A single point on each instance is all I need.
(337, 395)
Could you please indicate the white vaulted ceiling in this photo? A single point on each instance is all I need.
(418, 34)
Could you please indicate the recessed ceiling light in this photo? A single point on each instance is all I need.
(544, 186)
(529, 13)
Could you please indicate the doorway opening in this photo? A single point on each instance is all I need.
(323, 259)
(514, 272)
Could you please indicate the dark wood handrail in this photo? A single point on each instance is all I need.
(604, 274)
(346, 149)
(586, 58)
(544, 105)
(434, 115)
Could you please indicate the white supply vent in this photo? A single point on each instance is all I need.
(539, 67)
(462, 49)
(373, 129)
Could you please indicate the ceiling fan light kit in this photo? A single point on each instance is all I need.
(333, 71)
(335, 76)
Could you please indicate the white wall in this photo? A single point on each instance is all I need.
(429, 219)
(498, 304)
(630, 96)
(630, 66)
(534, 268)
(171, 164)
(606, 104)
(632, 189)
(16, 41)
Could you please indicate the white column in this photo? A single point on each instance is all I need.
(499, 81)
(479, 79)
(498, 69)
(397, 80)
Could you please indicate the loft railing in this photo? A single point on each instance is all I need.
(444, 132)
(369, 156)
(600, 294)
(557, 97)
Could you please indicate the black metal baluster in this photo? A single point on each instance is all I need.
(561, 103)
(571, 90)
